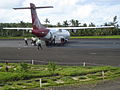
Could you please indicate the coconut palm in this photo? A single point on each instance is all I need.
(47, 21)
(75, 22)
(65, 23)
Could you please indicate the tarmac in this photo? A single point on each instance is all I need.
(75, 52)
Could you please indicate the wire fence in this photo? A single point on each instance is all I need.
(38, 62)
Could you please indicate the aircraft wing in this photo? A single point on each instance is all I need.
(19, 28)
(67, 28)
(80, 27)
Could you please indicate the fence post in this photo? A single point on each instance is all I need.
(84, 64)
(32, 62)
(40, 82)
(103, 74)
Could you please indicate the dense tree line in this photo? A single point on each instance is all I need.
(14, 33)
(66, 23)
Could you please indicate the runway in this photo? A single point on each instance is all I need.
(77, 51)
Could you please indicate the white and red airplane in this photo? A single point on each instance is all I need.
(59, 34)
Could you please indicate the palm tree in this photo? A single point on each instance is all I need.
(75, 22)
(59, 24)
(91, 25)
(84, 25)
(65, 23)
(72, 22)
(106, 24)
(47, 21)
(22, 24)
(115, 20)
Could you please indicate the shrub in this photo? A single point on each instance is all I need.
(52, 67)
(24, 67)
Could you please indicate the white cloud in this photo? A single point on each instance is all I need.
(9, 4)
(102, 14)
(85, 11)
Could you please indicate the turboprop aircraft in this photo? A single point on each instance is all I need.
(49, 35)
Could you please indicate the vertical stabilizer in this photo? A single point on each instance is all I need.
(38, 28)
(35, 21)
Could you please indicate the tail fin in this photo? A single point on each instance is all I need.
(35, 21)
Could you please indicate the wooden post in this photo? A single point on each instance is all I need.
(32, 62)
(84, 64)
(40, 82)
(103, 74)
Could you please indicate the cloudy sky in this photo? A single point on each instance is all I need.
(86, 11)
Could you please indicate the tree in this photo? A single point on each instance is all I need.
(106, 24)
(114, 22)
(91, 25)
(72, 22)
(84, 25)
(22, 24)
(47, 21)
(59, 24)
(75, 22)
(65, 23)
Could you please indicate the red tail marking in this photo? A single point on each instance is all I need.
(35, 21)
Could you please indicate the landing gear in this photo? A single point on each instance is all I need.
(47, 43)
(55, 43)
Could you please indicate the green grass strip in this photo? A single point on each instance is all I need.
(99, 37)
(74, 37)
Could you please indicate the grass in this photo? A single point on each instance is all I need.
(98, 37)
(14, 37)
(73, 37)
(20, 78)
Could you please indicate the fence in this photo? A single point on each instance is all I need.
(38, 62)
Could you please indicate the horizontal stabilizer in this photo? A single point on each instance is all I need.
(35, 7)
(45, 7)
(22, 8)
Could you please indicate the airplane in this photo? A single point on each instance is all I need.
(56, 35)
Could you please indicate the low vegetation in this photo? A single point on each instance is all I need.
(12, 37)
(74, 37)
(22, 76)
(97, 37)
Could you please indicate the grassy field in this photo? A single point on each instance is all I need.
(13, 37)
(102, 37)
(72, 37)
(23, 76)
